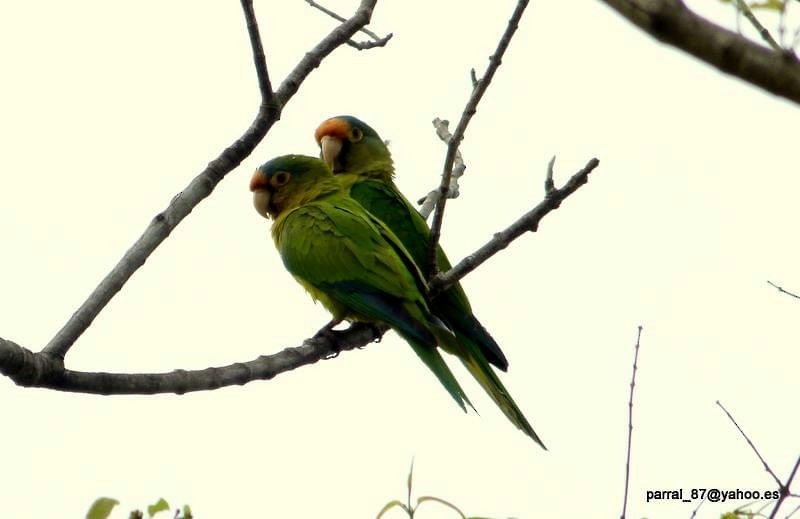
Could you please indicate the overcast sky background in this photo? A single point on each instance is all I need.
(109, 109)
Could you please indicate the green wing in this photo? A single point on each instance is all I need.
(385, 201)
(340, 250)
(475, 347)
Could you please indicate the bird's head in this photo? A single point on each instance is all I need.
(289, 181)
(349, 145)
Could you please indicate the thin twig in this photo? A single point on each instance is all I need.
(458, 134)
(529, 222)
(672, 22)
(784, 489)
(549, 184)
(781, 289)
(697, 508)
(765, 35)
(630, 423)
(778, 481)
(377, 41)
(341, 18)
(796, 509)
(761, 509)
(260, 60)
(428, 202)
(203, 184)
(370, 44)
(26, 368)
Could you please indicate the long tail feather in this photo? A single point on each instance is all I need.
(431, 357)
(489, 381)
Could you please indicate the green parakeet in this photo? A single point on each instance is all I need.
(363, 164)
(347, 259)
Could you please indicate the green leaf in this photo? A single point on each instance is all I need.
(441, 501)
(391, 504)
(775, 5)
(187, 512)
(159, 506)
(410, 473)
(101, 508)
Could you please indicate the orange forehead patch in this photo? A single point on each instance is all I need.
(335, 127)
(259, 181)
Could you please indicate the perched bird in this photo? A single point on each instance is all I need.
(347, 259)
(363, 164)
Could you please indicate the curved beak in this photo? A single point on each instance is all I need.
(261, 199)
(261, 194)
(331, 147)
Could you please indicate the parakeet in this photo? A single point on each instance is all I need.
(347, 259)
(363, 165)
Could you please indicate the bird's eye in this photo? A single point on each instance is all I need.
(280, 178)
(357, 134)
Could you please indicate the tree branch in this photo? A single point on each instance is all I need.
(781, 289)
(376, 41)
(750, 443)
(259, 59)
(458, 134)
(528, 222)
(783, 489)
(671, 22)
(630, 424)
(201, 186)
(39, 370)
(30, 369)
(762, 31)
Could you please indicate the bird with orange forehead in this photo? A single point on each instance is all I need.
(363, 164)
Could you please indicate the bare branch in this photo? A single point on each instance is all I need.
(377, 41)
(784, 489)
(458, 135)
(428, 202)
(260, 60)
(671, 22)
(762, 31)
(549, 185)
(778, 481)
(630, 422)
(370, 44)
(781, 289)
(202, 185)
(529, 222)
(30, 369)
(697, 508)
(26, 368)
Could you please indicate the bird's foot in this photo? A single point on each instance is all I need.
(376, 332)
(332, 336)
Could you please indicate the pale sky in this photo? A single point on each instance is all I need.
(110, 109)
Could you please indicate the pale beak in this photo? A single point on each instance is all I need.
(261, 202)
(331, 146)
